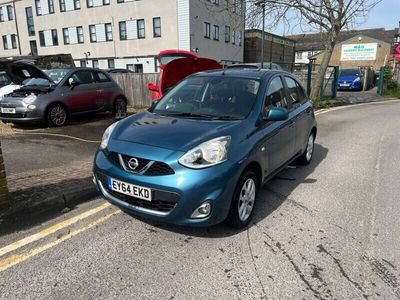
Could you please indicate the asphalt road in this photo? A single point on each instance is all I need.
(327, 231)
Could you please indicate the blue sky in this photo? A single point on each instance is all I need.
(385, 15)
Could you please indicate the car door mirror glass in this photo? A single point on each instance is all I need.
(276, 114)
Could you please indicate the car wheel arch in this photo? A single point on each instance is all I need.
(256, 168)
(56, 103)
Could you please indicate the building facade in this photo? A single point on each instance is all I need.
(122, 33)
(277, 49)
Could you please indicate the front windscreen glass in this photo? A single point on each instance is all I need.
(350, 72)
(210, 98)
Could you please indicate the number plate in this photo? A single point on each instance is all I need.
(345, 84)
(129, 189)
(8, 110)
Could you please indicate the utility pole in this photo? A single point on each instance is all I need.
(262, 3)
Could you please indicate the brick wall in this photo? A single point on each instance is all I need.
(4, 196)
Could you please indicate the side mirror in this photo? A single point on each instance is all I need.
(152, 87)
(276, 114)
(73, 83)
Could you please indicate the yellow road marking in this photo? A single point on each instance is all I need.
(59, 135)
(20, 257)
(37, 236)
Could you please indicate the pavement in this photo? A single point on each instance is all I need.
(49, 169)
(356, 97)
(329, 230)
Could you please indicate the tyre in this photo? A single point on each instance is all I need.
(244, 199)
(57, 115)
(307, 155)
(119, 109)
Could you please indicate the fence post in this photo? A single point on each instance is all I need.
(4, 196)
(381, 81)
(309, 76)
(335, 82)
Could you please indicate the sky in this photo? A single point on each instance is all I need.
(385, 15)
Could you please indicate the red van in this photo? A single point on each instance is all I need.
(176, 65)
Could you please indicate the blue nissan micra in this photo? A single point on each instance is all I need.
(199, 155)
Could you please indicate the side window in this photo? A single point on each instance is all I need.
(295, 91)
(83, 77)
(101, 77)
(276, 94)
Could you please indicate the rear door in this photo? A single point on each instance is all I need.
(81, 98)
(279, 134)
(106, 90)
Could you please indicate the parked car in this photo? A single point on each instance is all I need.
(350, 79)
(176, 65)
(59, 94)
(199, 155)
(266, 65)
(119, 71)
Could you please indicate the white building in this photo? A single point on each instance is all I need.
(122, 33)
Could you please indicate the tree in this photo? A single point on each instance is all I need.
(327, 16)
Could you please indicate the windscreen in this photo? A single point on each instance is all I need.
(210, 97)
(57, 74)
(350, 72)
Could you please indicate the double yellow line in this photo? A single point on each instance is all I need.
(20, 257)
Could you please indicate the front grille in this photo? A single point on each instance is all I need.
(16, 116)
(146, 167)
(162, 201)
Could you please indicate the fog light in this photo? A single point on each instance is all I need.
(31, 106)
(202, 211)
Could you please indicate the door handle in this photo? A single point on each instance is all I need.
(291, 123)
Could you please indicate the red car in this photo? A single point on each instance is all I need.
(176, 65)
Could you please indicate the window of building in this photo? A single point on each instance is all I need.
(122, 31)
(233, 37)
(1, 15)
(111, 63)
(77, 4)
(227, 34)
(51, 6)
(215, 2)
(33, 46)
(9, 41)
(54, 37)
(138, 68)
(29, 21)
(10, 12)
(79, 30)
(66, 36)
(92, 31)
(140, 29)
(157, 27)
(299, 55)
(82, 63)
(95, 3)
(89, 3)
(62, 5)
(95, 63)
(109, 35)
(68, 5)
(240, 38)
(130, 67)
(38, 8)
(207, 30)
(216, 32)
(48, 38)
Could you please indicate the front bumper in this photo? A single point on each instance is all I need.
(349, 85)
(178, 194)
(21, 115)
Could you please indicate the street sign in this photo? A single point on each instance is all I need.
(396, 51)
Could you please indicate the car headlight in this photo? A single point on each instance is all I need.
(207, 154)
(107, 135)
(357, 79)
(30, 99)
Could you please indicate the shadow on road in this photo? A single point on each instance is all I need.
(268, 200)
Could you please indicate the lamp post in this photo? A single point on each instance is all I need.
(262, 3)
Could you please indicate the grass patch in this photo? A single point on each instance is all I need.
(395, 93)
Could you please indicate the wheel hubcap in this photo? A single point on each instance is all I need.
(58, 115)
(310, 147)
(246, 199)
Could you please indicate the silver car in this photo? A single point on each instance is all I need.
(54, 97)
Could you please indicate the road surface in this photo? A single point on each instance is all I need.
(327, 231)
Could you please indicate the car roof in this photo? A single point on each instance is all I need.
(244, 73)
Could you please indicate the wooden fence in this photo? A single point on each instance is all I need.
(135, 87)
